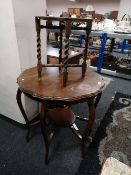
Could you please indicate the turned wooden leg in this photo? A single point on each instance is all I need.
(65, 77)
(90, 122)
(84, 66)
(39, 69)
(98, 99)
(19, 102)
(43, 129)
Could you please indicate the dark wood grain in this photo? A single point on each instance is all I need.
(56, 100)
(50, 86)
(66, 24)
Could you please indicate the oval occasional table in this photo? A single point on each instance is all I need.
(49, 90)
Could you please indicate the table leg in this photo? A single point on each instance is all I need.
(98, 99)
(19, 102)
(90, 122)
(43, 129)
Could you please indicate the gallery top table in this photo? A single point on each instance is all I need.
(49, 90)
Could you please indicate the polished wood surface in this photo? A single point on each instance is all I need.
(61, 116)
(50, 86)
(56, 100)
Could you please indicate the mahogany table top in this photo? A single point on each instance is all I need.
(50, 87)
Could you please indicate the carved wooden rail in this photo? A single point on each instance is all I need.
(66, 26)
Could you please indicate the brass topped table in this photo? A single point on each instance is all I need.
(49, 90)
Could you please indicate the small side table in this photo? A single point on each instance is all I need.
(50, 91)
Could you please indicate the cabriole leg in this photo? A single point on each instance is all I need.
(19, 102)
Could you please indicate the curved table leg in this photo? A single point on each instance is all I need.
(90, 122)
(19, 102)
(98, 99)
(43, 129)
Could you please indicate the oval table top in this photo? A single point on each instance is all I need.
(50, 87)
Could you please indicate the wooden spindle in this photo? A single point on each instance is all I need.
(39, 65)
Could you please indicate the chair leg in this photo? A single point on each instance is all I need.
(44, 132)
(19, 102)
(90, 122)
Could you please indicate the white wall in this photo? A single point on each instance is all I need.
(17, 51)
(24, 14)
(125, 7)
(9, 62)
(101, 6)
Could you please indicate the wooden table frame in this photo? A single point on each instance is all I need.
(90, 120)
(92, 102)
